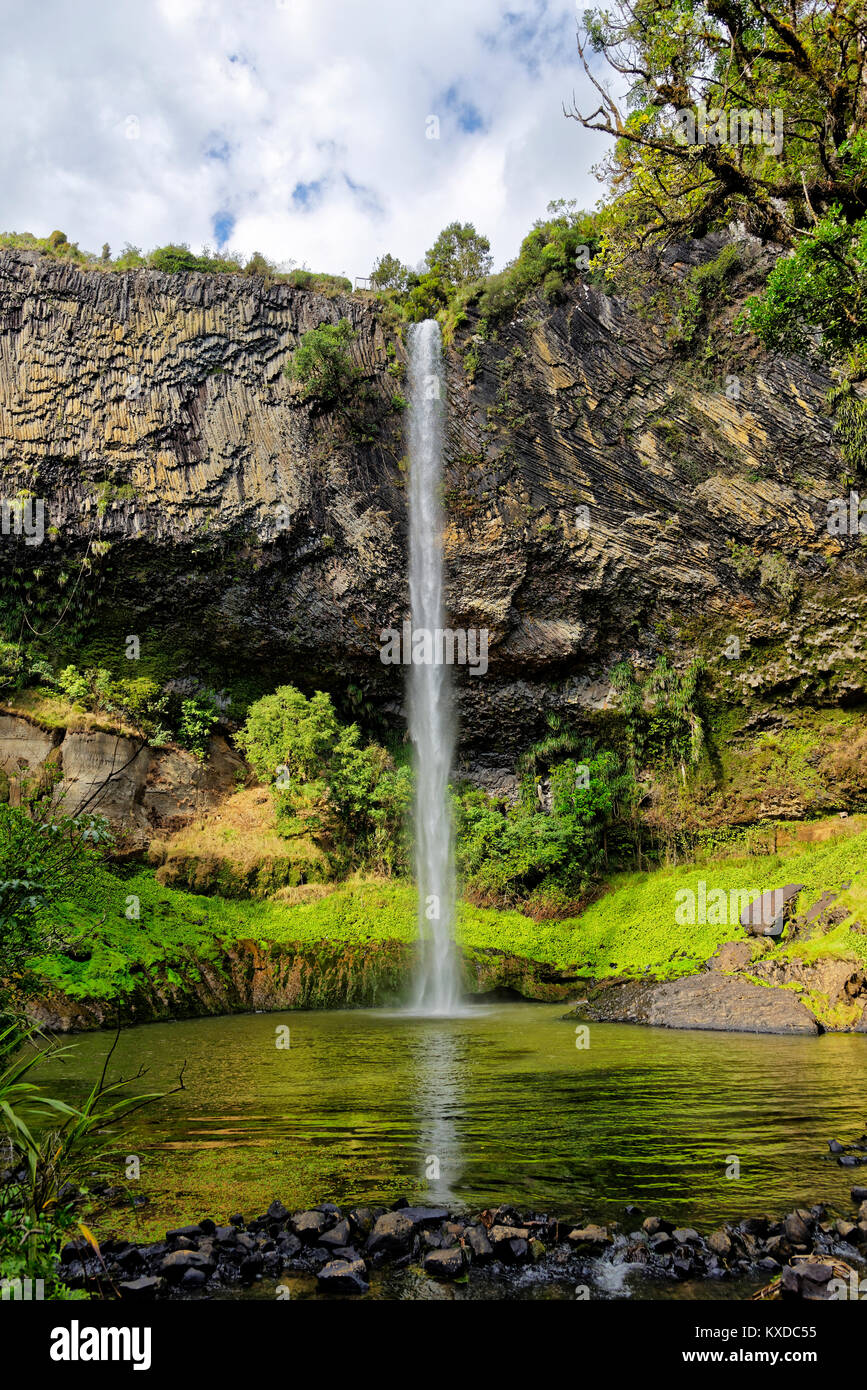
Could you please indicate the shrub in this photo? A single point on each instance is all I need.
(326, 780)
(199, 714)
(321, 363)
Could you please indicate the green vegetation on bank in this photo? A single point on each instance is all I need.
(631, 930)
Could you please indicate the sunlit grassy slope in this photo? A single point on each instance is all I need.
(630, 930)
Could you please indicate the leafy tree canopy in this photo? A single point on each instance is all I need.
(460, 254)
(798, 66)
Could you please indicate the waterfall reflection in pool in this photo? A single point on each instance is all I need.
(495, 1106)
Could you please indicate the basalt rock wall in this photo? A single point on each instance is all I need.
(606, 497)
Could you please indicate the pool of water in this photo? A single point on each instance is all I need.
(497, 1106)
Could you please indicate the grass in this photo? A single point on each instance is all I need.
(237, 851)
(631, 930)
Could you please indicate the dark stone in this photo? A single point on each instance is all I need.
(130, 1259)
(790, 1282)
(479, 1244)
(361, 1220)
(766, 915)
(661, 1243)
(183, 1233)
(392, 1232)
(719, 1242)
(177, 1262)
(251, 1265)
(797, 1230)
(226, 1235)
(338, 1235)
(73, 1250)
(146, 1287)
(277, 1212)
(593, 1236)
(194, 1279)
(236, 1220)
(310, 1225)
(835, 1147)
(344, 1276)
(501, 1238)
(444, 1264)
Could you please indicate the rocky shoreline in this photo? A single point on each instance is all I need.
(344, 1248)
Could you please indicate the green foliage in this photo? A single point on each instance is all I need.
(325, 780)
(138, 700)
(553, 253)
(791, 57)
(704, 289)
(322, 364)
(199, 714)
(427, 296)
(174, 260)
(53, 1146)
(45, 858)
(823, 284)
(389, 274)
(459, 255)
(318, 283)
(663, 717)
(544, 859)
(56, 246)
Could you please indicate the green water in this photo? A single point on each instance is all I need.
(362, 1105)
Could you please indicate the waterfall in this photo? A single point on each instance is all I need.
(431, 720)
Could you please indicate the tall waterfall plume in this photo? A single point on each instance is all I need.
(431, 715)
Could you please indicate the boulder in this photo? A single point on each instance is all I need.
(343, 1276)
(712, 1000)
(145, 1288)
(176, 1263)
(310, 1225)
(338, 1235)
(477, 1240)
(594, 1236)
(444, 1264)
(766, 915)
(720, 1243)
(393, 1231)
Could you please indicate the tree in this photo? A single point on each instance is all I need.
(823, 282)
(389, 273)
(321, 363)
(735, 109)
(460, 254)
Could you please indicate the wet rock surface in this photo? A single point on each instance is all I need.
(345, 1248)
(711, 1000)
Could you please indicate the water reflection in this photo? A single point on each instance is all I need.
(437, 1072)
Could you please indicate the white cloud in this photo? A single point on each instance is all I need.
(301, 125)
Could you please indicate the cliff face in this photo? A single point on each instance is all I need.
(604, 498)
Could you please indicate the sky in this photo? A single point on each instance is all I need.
(319, 132)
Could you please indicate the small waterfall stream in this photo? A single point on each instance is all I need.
(431, 717)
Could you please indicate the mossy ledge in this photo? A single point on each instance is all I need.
(247, 976)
